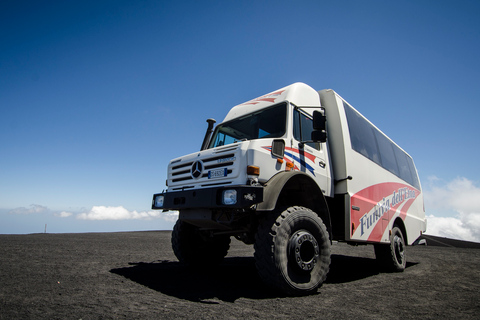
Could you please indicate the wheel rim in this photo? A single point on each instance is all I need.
(399, 248)
(304, 250)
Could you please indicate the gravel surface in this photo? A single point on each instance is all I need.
(136, 275)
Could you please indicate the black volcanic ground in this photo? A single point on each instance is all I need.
(135, 275)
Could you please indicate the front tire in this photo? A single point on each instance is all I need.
(195, 248)
(392, 257)
(292, 251)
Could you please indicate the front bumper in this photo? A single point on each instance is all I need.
(211, 198)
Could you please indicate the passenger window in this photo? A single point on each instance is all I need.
(374, 145)
(403, 166)
(362, 135)
(387, 154)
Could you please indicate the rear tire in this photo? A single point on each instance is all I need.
(292, 251)
(195, 248)
(392, 256)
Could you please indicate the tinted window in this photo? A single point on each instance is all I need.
(403, 167)
(415, 182)
(302, 128)
(361, 135)
(266, 123)
(370, 142)
(385, 148)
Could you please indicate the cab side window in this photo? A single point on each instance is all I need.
(302, 128)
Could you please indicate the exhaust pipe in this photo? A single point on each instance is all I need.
(206, 140)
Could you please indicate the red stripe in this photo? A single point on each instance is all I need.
(382, 195)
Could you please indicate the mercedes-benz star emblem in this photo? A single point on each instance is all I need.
(197, 169)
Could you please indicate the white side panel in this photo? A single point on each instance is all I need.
(377, 196)
(336, 131)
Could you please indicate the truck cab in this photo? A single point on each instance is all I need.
(257, 140)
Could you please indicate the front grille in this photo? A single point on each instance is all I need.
(181, 172)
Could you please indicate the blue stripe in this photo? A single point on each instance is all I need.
(302, 162)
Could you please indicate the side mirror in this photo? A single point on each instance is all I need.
(319, 133)
(319, 121)
(319, 136)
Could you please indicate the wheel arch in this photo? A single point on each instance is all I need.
(295, 188)
(401, 225)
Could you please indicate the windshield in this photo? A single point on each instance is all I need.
(266, 123)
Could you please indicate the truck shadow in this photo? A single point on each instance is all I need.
(235, 278)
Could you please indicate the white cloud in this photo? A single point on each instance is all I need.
(120, 213)
(460, 200)
(459, 194)
(453, 227)
(170, 216)
(34, 208)
(63, 214)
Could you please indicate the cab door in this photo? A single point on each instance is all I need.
(311, 157)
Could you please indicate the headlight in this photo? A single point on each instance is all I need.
(229, 197)
(159, 201)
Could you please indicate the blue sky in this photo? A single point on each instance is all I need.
(97, 96)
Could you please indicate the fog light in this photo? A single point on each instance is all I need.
(229, 197)
(159, 201)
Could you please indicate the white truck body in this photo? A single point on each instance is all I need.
(261, 158)
(376, 195)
